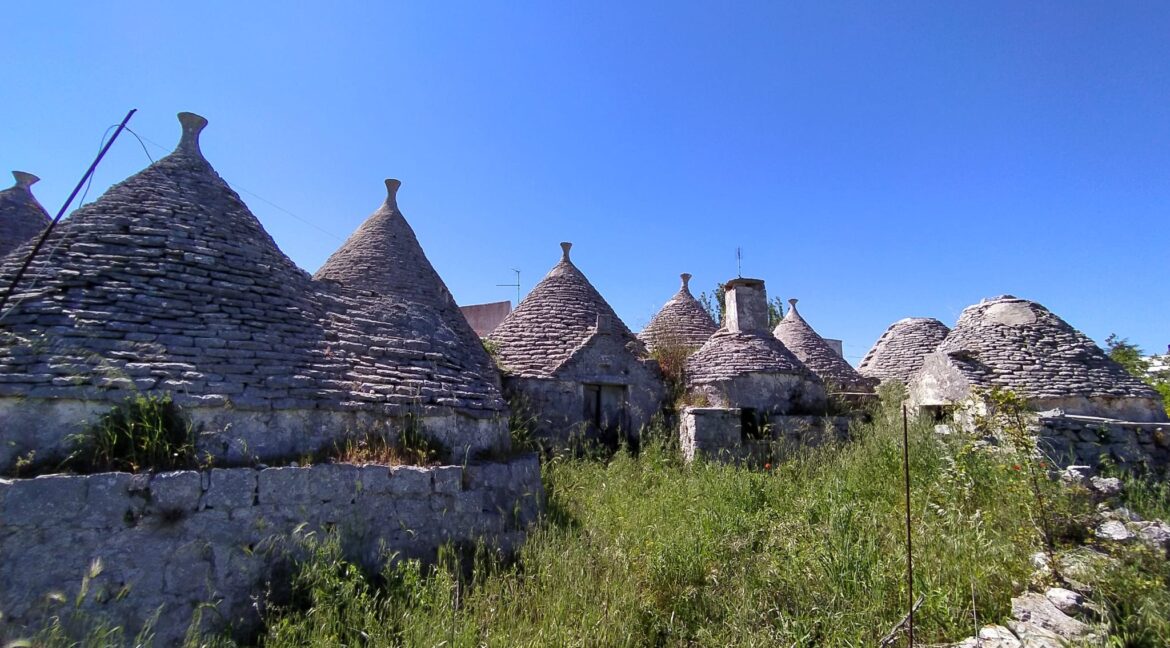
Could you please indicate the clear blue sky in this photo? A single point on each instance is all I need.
(876, 160)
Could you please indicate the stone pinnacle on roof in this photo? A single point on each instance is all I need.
(682, 321)
(560, 314)
(1020, 345)
(22, 217)
(899, 352)
(804, 342)
(193, 125)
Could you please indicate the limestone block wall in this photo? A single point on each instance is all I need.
(558, 403)
(171, 543)
(605, 360)
(711, 433)
(1086, 440)
(555, 405)
(716, 434)
(237, 434)
(765, 392)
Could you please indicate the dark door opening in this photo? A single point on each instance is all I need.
(605, 413)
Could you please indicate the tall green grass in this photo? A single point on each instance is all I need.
(645, 551)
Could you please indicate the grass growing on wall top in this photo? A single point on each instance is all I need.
(143, 432)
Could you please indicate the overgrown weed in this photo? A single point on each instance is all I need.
(144, 432)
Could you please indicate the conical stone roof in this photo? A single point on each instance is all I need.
(21, 216)
(166, 282)
(1021, 345)
(398, 317)
(899, 352)
(682, 321)
(728, 354)
(169, 283)
(816, 354)
(560, 314)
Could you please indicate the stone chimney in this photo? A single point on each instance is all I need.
(746, 306)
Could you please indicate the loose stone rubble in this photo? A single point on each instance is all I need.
(1065, 615)
(21, 216)
(681, 322)
(899, 352)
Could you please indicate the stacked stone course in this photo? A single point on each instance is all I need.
(899, 352)
(744, 365)
(1020, 345)
(168, 283)
(562, 343)
(810, 348)
(1095, 441)
(176, 541)
(681, 322)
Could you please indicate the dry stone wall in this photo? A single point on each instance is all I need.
(174, 543)
(1093, 441)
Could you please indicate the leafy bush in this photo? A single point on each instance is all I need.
(144, 432)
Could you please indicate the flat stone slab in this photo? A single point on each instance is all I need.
(997, 636)
(1033, 609)
(1113, 531)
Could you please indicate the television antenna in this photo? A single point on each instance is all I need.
(739, 261)
(514, 285)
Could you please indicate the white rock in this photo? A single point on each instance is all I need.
(1039, 560)
(1076, 475)
(1113, 531)
(1124, 514)
(1036, 610)
(1033, 636)
(997, 636)
(1107, 486)
(1156, 534)
(1065, 600)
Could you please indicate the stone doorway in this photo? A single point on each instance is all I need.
(605, 413)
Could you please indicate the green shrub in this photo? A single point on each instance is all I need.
(144, 432)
